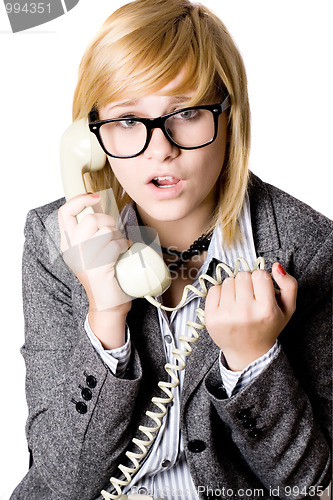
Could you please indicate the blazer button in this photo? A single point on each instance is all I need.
(220, 393)
(249, 423)
(81, 407)
(243, 414)
(91, 381)
(254, 433)
(86, 394)
(196, 446)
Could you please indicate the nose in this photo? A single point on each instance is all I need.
(159, 147)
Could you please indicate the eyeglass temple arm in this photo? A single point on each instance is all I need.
(226, 103)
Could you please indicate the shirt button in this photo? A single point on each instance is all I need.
(196, 446)
(168, 339)
(166, 463)
(91, 381)
(142, 491)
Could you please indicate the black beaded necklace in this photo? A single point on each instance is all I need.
(198, 246)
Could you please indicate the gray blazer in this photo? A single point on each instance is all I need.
(272, 435)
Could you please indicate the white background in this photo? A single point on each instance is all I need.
(287, 48)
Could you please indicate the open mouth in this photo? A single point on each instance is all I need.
(165, 182)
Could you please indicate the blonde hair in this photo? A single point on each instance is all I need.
(142, 47)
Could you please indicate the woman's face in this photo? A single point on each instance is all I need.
(188, 177)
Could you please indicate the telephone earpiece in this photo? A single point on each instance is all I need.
(140, 271)
(79, 153)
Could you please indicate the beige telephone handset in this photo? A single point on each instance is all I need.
(140, 271)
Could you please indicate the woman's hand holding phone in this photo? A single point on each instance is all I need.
(91, 248)
(244, 316)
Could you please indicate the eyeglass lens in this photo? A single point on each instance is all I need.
(189, 128)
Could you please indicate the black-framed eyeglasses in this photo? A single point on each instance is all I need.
(188, 128)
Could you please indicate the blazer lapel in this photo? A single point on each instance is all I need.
(264, 227)
(146, 335)
(205, 354)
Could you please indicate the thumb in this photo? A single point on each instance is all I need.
(288, 289)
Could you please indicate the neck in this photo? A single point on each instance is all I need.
(179, 234)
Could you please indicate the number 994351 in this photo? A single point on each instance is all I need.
(28, 8)
(295, 491)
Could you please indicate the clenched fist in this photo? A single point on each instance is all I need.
(244, 316)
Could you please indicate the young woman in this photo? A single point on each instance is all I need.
(251, 415)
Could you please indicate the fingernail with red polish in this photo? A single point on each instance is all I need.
(280, 270)
(95, 195)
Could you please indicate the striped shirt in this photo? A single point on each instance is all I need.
(165, 472)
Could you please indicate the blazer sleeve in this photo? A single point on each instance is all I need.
(282, 423)
(80, 414)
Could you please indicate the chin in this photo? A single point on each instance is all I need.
(166, 212)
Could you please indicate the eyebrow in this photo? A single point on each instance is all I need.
(133, 102)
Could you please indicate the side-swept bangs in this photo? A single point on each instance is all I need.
(135, 55)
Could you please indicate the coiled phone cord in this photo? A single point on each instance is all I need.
(172, 369)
